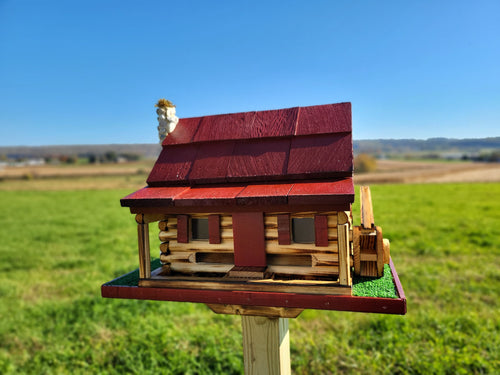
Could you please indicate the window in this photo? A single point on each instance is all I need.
(199, 229)
(303, 230)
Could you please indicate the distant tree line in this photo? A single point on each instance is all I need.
(92, 158)
(490, 157)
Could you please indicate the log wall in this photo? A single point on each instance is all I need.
(303, 261)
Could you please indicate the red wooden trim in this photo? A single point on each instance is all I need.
(152, 196)
(306, 301)
(214, 229)
(397, 282)
(182, 228)
(321, 230)
(271, 208)
(291, 300)
(208, 196)
(265, 194)
(333, 192)
(284, 237)
(340, 192)
(249, 239)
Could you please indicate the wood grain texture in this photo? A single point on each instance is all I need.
(387, 251)
(259, 159)
(225, 127)
(319, 287)
(367, 220)
(336, 192)
(284, 236)
(356, 250)
(211, 162)
(264, 194)
(183, 132)
(247, 272)
(269, 312)
(326, 155)
(266, 345)
(163, 197)
(321, 119)
(397, 283)
(344, 263)
(208, 196)
(275, 123)
(173, 165)
(182, 228)
(214, 236)
(321, 230)
(380, 252)
(144, 251)
(249, 240)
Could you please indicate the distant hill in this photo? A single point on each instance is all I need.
(431, 145)
(375, 146)
(148, 151)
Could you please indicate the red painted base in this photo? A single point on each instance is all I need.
(290, 300)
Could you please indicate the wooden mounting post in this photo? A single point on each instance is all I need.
(266, 345)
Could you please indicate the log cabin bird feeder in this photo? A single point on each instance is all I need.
(253, 212)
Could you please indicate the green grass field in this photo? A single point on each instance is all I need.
(58, 247)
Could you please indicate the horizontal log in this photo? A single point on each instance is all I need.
(196, 267)
(148, 218)
(223, 247)
(329, 271)
(163, 225)
(303, 260)
(271, 221)
(329, 259)
(179, 256)
(267, 285)
(272, 247)
(164, 247)
(272, 234)
(343, 217)
(170, 235)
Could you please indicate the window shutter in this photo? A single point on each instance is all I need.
(321, 230)
(182, 228)
(284, 237)
(214, 229)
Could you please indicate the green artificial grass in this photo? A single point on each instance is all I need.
(132, 278)
(382, 287)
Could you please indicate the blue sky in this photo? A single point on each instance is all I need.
(89, 72)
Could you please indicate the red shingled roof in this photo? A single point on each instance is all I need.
(293, 155)
(280, 145)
